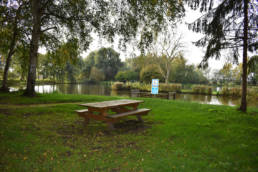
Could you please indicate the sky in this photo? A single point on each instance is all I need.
(192, 53)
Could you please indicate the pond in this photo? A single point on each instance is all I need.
(107, 91)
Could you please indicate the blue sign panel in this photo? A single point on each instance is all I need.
(155, 86)
(154, 90)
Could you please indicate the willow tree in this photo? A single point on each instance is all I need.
(227, 24)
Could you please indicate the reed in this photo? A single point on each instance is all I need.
(202, 89)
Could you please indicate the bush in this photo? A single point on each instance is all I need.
(124, 76)
(139, 86)
(150, 72)
(117, 86)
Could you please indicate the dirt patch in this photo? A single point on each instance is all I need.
(132, 126)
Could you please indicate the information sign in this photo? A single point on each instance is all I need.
(155, 86)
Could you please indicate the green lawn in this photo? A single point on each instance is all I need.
(176, 136)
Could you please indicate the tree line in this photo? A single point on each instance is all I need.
(105, 64)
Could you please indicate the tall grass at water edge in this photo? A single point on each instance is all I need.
(201, 89)
(237, 92)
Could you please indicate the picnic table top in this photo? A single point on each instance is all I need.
(112, 103)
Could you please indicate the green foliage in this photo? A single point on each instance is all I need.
(150, 72)
(253, 69)
(183, 73)
(126, 76)
(96, 74)
(62, 64)
(104, 59)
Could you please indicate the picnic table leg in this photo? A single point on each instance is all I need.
(110, 125)
(139, 118)
(86, 121)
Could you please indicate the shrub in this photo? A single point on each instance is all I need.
(124, 76)
(117, 86)
(150, 72)
(139, 86)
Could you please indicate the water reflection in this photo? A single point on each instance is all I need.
(106, 90)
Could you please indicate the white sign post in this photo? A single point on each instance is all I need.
(155, 86)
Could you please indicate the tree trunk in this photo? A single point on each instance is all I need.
(167, 76)
(7, 66)
(243, 106)
(34, 45)
(10, 53)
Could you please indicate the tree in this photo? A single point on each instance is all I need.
(64, 59)
(13, 30)
(229, 25)
(105, 59)
(226, 73)
(96, 74)
(54, 19)
(51, 21)
(150, 72)
(128, 75)
(171, 47)
(183, 73)
(21, 61)
(253, 69)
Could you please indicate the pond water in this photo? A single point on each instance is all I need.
(106, 90)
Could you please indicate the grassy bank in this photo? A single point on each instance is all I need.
(176, 136)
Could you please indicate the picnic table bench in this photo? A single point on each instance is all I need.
(120, 108)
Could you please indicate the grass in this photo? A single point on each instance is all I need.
(176, 136)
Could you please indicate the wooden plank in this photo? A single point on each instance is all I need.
(100, 118)
(112, 103)
(82, 111)
(134, 112)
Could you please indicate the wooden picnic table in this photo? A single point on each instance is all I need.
(120, 108)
